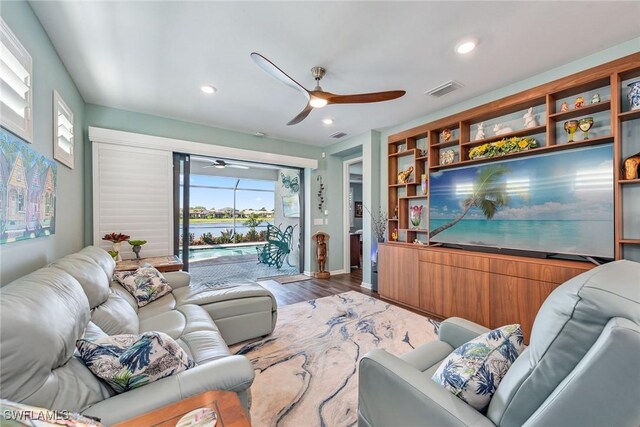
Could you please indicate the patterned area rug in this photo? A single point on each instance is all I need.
(306, 371)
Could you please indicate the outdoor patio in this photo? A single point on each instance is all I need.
(235, 268)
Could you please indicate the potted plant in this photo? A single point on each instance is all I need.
(136, 246)
(116, 239)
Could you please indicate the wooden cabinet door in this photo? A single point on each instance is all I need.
(517, 300)
(398, 274)
(455, 291)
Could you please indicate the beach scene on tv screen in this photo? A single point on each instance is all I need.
(559, 203)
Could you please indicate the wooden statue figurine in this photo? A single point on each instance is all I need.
(321, 254)
(631, 166)
(403, 177)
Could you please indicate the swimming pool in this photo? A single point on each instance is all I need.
(196, 254)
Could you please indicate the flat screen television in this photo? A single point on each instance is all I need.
(557, 203)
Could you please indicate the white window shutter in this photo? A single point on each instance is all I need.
(133, 194)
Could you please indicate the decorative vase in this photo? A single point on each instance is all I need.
(584, 125)
(136, 250)
(415, 215)
(116, 248)
(634, 95)
(423, 183)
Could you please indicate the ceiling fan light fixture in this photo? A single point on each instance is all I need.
(208, 89)
(316, 102)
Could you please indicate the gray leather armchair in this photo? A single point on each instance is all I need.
(581, 368)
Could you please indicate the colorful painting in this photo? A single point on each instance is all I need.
(27, 191)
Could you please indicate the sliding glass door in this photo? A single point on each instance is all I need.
(181, 176)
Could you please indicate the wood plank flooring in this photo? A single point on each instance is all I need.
(291, 293)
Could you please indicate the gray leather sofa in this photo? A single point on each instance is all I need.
(582, 367)
(44, 313)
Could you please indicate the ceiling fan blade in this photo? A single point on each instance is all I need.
(277, 73)
(300, 117)
(237, 166)
(362, 97)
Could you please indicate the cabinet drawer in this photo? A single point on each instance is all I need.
(469, 261)
(536, 271)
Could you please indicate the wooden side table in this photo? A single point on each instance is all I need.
(162, 263)
(226, 404)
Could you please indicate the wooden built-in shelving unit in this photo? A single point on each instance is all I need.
(495, 289)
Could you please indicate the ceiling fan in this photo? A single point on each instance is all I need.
(317, 98)
(221, 164)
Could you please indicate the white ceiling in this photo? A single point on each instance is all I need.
(152, 57)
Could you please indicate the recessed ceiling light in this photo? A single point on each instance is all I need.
(260, 134)
(327, 121)
(208, 89)
(466, 46)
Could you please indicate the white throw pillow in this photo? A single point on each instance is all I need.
(126, 362)
(146, 284)
(473, 371)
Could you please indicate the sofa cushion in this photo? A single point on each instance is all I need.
(129, 361)
(146, 284)
(115, 316)
(41, 317)
(89, 274)
(161, 305)
(193, 329)
(218, 293)
(102, 258)
(474, 370)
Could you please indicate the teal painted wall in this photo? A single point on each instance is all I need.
(49, 73)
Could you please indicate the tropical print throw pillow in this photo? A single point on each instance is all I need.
(126, 362)
(474, 370)
(146, 284)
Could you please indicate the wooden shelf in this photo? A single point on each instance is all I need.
(410, 152)
(414, 197)
(629, 181)
(576, 112)
(558, 147)
(630, 241)
(422, 158)
(393, 219)
(522, 132)
(398, 185)
(446, 144)
(629, 115)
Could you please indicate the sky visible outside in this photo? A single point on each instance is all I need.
(218, 199)
(569, 185)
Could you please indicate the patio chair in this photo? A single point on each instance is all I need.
(278, 246)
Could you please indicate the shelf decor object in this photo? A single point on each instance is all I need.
(570, 126)
(415, 215)
(595, 99)
(136, 246)
(564, 107)
(480, 132)
(447, 157)
(530, 119)
(631, 165)
(423, 184)
(405, 175)
(634, 95)
(579, 102)
(584, 125)
(499, 129)
(446, 135)
(502, 147)
(116, 239)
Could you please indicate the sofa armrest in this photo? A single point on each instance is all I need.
(177, 279)
(456, 331)
(393, 393)
(232, 373)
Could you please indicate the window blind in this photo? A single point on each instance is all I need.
(15, 84)
(133, 194)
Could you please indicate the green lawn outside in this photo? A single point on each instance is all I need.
(218, 220)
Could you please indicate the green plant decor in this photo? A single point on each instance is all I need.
(137, 242)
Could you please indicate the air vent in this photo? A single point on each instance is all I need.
(444, 88)
(338, 135)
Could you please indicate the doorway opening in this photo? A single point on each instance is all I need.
(353, 213)
(236, 220)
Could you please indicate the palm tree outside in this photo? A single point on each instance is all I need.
(489, 194)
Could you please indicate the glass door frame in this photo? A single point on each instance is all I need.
(181, 177)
